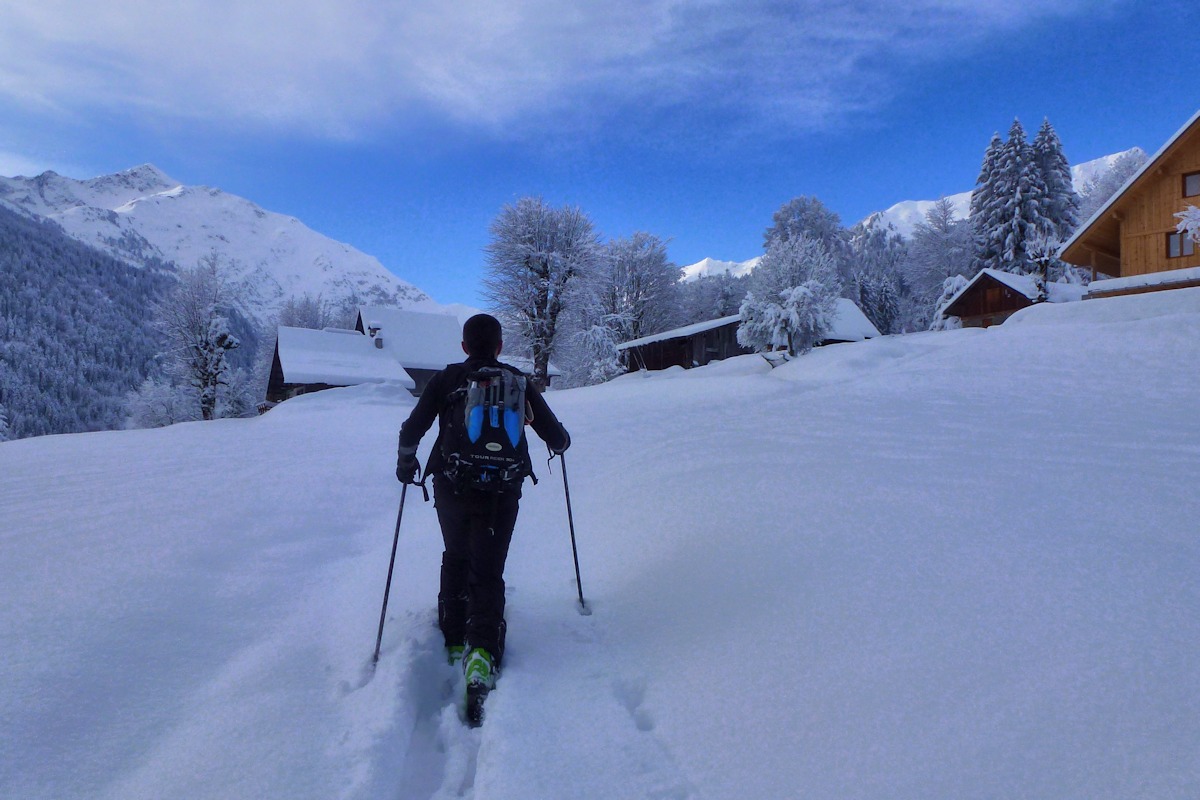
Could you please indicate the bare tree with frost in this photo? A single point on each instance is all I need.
(535, 259)
(193, 320)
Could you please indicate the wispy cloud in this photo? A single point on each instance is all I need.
(339, 69)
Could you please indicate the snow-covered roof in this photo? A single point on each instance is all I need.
(680, 333)
(1134, 178)
(1185, 276)
(1024, 285)
(336, 358)
(849, 325)
(416, 339)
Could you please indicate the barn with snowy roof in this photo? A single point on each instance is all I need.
(704, 342)
(993, 296)
(309, 360)
(1133, 237)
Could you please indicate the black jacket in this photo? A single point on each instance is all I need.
(433, 404)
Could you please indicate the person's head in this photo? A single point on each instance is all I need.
(482, 337)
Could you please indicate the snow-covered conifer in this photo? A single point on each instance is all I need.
(1062, 202)
(793, 296)
(941, 246)
(985, 207)
(877, 254)
(1009, 207)
(534, 259)
(879, 299)
(3, 424)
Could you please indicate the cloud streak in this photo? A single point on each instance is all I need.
(346, 69)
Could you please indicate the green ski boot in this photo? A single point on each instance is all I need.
(480, 670)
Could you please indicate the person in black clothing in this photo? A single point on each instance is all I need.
(477, 526)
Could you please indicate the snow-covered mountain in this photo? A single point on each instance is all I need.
(905, 215)
(711, 266)
(142, 216)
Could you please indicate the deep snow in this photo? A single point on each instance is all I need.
(947, 565)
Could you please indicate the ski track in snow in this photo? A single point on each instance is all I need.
(444, 759)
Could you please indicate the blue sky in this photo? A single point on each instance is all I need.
(402, 128)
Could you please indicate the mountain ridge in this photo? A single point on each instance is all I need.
(144, 217)
(905, 215)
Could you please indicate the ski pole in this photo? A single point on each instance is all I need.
(391, 564)
(583, 609)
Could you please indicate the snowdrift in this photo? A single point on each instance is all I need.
(944, 565)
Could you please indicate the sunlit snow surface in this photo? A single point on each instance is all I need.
(952, 565)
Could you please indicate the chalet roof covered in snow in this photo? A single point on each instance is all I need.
(416, 339)
(335, 358)
(679, 333)
(850, 325)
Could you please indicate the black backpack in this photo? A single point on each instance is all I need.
(483, 440)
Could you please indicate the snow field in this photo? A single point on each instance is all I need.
(946, 565)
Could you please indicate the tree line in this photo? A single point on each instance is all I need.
(564, 293)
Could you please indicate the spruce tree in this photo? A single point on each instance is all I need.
(1061, 199)
(1020, 200)
(985, 212)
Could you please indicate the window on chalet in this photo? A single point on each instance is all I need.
(1191, 184)
(1180, 245)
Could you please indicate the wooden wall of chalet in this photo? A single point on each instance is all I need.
(988, 302)
(1147, 216)
(687, 351)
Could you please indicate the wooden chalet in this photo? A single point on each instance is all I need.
(690, 346)
(991, 297)
(1133, 237)
(715, 340)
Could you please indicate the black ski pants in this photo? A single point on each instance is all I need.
(477, 528)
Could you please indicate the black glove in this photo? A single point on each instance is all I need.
(566, 442)
(407, 468)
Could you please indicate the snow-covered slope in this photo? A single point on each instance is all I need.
(142, 214)
(905, 215)
(945, 565)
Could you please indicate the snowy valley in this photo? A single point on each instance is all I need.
(955, 564)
